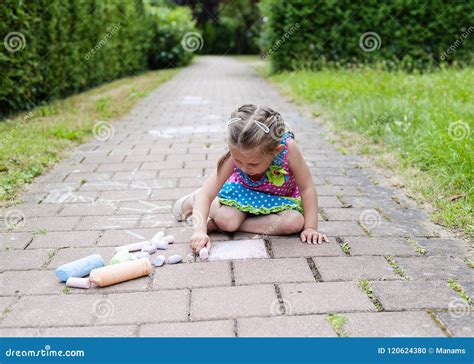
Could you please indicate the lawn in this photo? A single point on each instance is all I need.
(32, 142)
(420, 126)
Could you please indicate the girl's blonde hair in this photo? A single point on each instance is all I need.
(253, 126)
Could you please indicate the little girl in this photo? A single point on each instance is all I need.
(262, 184)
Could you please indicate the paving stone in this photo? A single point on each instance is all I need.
(33, 311)
(324, 297)
(207, 274)
(293, 247)
(33, 210)
(118, 167)
(343, 228)
(379, 246)
(155, 306)
(5, 302)
(50, 224)
(88, 209)
(115, 197)
(460, 324)
(354, 268)
(285, 326)
(23, 259)
(134, 175)
(413, 295)
(108, 222)
(444, 247)
(144, 207)
(232, 302)
(408, 229)
(170, 193)
(74, 239)
(392, 324)
(72, 331)
(284, 270)
(435, 268)
(14, 240)
(220, 328)
(29, 282)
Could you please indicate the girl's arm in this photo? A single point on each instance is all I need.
(203, 201)
(309, 197)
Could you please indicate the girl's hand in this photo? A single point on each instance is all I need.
(199, 240)
(311, 236)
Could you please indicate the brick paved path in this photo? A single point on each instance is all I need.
(118, 191)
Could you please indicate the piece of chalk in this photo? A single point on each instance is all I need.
(116, 273)
(150, 249)
(120, 257)
(133, 247)
(79, 268)
(204, 253)
(141, 255)
(168, 238)
(161, 244)
(158, 236)
(78, 282)
(159, 260)
(174, 259)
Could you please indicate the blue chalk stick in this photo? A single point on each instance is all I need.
(79, 268)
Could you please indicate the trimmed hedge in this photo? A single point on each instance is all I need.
(54, 48)
(402, 33)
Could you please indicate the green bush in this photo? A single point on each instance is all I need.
(401, 33)
(55, 48)
(174, 37)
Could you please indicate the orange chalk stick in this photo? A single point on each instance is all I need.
(121, 272)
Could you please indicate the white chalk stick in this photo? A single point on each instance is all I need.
(133, 247)
(159, 260)
(204, 253)
(78, 282)
(141, 255)
(150, 249)
(158, 236)
(168, 238)
(174, 259)
(161, 244)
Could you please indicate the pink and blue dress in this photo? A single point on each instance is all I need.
(276, 191)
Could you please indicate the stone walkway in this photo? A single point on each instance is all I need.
(118, 191)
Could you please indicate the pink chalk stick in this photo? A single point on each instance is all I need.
(204, 253)
(78, 282)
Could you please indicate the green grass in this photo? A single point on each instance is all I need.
(338, 321)
(32, 142)
(419, 126)
(459, 290)
(365, 285)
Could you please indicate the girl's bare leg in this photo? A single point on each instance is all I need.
(226, 218)
(281, 223)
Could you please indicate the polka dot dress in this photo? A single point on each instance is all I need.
(265, 196)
